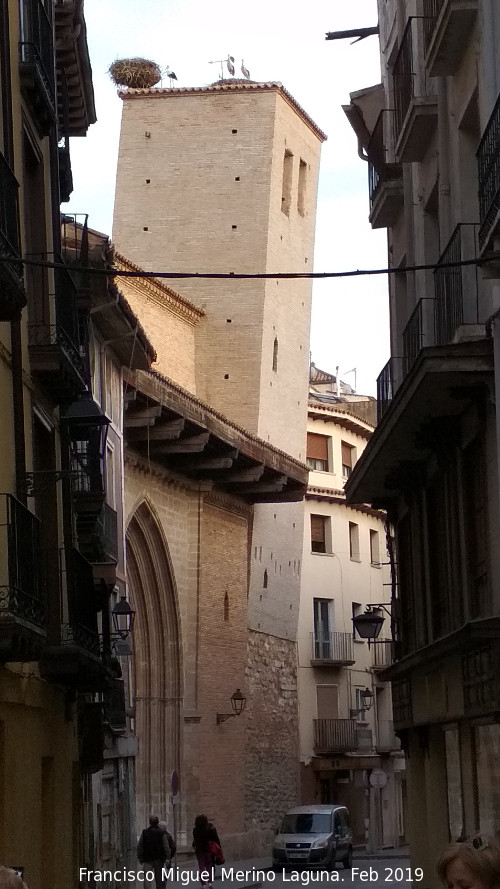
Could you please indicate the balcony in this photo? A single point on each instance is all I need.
(98, 541)
(22, 594)
(385, 179)
(36, 63)
(382, 654)
(75, 246)
(334, 735)
(455, 287)
(488, 160)
(12, 295)
(75, 657)
(115, 713)
(388, 382)
(415, 105)
(448, 25)
(58, 358)
(419, 332)
(331, 649)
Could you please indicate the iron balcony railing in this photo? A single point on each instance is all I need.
(488, 161)
(409, 75)
(455, 286)
(382, 654)
(22, 591)
(115, 711)
(419, 332)
(81, 628)
(388, 382)
(36, 48)
(403, 78)
(379, 170)
(9, 222)
(57, 321)
(107, 525)
(431, 10)
(333, 647)
(332, 735)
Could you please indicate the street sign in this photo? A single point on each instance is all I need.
(378, 778)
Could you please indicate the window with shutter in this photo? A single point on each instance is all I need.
(317, 452)
(348, 458)
(318, 533)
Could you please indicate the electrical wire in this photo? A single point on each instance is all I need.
(352, 273)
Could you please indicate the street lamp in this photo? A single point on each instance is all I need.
(369, 624)
(123, 618)
(87, 429)
(366, 703)
(238, 704)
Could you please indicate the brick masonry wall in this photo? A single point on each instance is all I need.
(213, 650)
(213, 203)
(272, 779)
(171, 333)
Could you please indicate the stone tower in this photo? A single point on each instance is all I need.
(223, 179)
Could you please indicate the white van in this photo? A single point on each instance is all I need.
(313, 836)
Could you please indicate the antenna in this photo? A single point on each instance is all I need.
(229, 62)
(352, 371)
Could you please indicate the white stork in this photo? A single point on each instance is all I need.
(245, 71)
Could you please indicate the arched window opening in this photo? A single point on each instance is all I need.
(275, 354)
(226, 606)
(266, 579)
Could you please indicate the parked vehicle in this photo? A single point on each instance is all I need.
(313, 836)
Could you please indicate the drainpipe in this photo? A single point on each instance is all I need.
(18, 408)
(444, 163)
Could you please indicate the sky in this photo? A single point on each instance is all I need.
(279, 41)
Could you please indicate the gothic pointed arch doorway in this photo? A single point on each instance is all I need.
(156, 663)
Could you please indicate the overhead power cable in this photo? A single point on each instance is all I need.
(353, 273)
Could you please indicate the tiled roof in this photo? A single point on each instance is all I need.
(227, 86)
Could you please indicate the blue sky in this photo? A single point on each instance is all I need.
(278, 40)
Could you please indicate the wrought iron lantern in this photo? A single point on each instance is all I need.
(369, 624)
(123, 618)
(238, 704)
(367, 699)
(87, 429)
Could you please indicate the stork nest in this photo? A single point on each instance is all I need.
(135, 73)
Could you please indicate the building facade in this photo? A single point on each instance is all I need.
(224, 178)
(55, 640)
(192, 478)
(344, 738)
(432, 147)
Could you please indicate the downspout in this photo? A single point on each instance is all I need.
(18, 408)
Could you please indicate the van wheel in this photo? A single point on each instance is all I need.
(347, 862)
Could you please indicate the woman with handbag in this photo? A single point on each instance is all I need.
(207, 846)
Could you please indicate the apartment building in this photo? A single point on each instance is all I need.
(430, 132)
(346, 729)
(53, 662)
(224, 178)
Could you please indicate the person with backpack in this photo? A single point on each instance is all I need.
(154, 849)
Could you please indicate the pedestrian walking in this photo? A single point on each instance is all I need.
(474, 864)
(153, 849)
(170, 840)
(205, 838)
